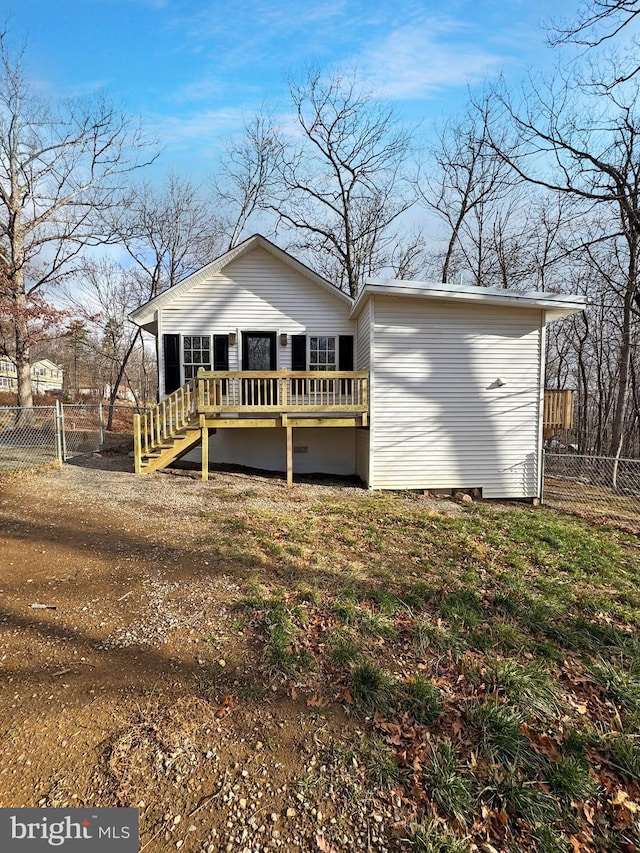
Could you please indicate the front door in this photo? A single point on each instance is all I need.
(259, 354)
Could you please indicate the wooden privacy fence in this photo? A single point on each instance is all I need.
(558, 410)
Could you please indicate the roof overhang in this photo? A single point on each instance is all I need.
(555, 305)
(146, 315)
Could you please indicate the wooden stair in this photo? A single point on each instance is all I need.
(168, 430)
(172, 450)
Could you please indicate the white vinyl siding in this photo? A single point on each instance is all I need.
(257, 292)
(439, 419)
(363, 337)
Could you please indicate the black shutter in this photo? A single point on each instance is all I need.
(171, 346)
(298, 352)
(221, 352)
(345, 352)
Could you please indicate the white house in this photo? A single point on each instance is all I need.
(410, 386)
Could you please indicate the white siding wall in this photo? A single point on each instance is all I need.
(257, 293)
(321, 450)
(437, 422)
(363, 342)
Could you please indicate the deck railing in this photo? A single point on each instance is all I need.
(558, 410)
(283, 391)
(166, 419)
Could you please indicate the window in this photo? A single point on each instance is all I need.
(39, 371)
(5, 382)
(322, 353)
(196, 351)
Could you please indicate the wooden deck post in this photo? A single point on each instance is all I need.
(289, 456)
(137, 444)
(204, 439)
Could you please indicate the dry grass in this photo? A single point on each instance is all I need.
(593, 502)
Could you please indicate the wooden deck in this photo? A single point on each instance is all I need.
(247, 399)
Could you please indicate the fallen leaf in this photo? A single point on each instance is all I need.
(619, 798)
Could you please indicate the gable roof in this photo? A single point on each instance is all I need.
(555, 305)
(48, 363)
(145, 314)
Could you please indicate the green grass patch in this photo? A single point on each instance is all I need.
(527, 687)
(489, 661)
(373, 688)
(422, 700)
(435, 837)
(449, 786)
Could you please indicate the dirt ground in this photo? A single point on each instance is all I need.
(128, 678)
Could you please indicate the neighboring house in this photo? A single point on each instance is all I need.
(8, 376)
(410, 386)
(45, 375)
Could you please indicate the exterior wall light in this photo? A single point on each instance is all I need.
(283, 339)
(233, 339)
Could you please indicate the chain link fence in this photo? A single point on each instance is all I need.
(81, 429)
(38, 436)
(28, 437)
(596, 487)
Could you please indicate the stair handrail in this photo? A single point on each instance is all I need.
(164, 420)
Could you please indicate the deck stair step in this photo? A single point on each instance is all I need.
(162, 456)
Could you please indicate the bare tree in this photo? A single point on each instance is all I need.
(463, 176)
(62, 166)
(103, 296)
(342, 187)
(597, 22)
(584, 145)
(248, 175)
(168, 232)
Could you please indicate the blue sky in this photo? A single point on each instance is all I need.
(194, 69)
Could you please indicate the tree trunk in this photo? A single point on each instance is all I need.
(116, 385)
(622, 391)
(23, 361)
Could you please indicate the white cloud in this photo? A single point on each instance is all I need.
(201, 89)
(200, 130)
(417, 59)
